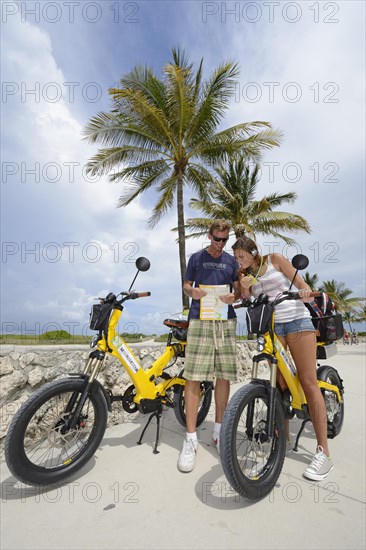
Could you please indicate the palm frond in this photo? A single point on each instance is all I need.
(145, 176)
(165, 202)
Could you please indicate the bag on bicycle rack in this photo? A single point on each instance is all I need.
(259, 318)
(326, 321)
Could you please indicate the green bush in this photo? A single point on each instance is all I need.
(55, 335)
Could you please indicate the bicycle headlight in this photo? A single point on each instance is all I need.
(260, 343)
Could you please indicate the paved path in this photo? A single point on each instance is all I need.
(126, 497)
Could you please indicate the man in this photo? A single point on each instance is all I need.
(211, 344)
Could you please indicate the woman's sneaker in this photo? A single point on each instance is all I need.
(320, 466)
(187, 456)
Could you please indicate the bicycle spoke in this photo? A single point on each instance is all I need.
(252, 449)
(45, 443)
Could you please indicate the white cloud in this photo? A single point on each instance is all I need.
(80, 217)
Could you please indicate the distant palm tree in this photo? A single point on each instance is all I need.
(360, 316)
(348, 317)
(341, 296)
(163, 133)
(311, 280)
(232, 196)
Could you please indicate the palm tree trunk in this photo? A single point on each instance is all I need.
(181, 237)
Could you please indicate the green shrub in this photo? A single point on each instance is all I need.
(55, 335)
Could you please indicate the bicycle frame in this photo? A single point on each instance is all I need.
(279, 359)
(143, 380)
(147, 395)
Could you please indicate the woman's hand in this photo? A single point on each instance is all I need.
(247, 281)
(305, 295)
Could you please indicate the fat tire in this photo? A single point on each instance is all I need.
(15, 449)
(257, 487)
(330, 375)
(179, 403)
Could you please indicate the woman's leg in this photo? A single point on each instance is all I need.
(303, 350)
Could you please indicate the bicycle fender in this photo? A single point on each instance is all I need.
(321, 371)
(97, 386)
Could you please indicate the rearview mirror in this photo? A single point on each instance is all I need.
(300, 261)
(142, 264)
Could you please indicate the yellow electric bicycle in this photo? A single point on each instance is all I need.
(59, 428)
(253, 434)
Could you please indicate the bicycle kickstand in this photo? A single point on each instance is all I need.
(157, 415)
(299, 434)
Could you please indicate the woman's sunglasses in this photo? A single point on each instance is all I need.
(218, 239)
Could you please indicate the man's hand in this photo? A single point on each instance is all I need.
(228, 298)
(197, 293)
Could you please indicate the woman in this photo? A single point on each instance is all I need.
(271, 274)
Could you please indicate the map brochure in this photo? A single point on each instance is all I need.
(211, 307)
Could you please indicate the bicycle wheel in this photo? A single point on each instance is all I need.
(204, 406)
(252, 462)
(40, 449)
(335, 410)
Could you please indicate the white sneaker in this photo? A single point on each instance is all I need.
(187, 456)
(216, 441)
(320, 466)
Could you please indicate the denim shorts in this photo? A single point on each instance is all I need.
(298, 325)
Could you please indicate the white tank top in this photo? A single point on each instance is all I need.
(272, 283)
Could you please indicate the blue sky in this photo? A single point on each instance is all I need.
(64, 242)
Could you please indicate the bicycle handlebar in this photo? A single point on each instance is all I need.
(111, 298)
(135, 295)
(287, 295)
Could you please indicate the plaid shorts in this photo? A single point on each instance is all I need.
(211, 350)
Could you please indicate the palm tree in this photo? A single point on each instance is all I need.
(231, 196)
(311, 280)
(348, 317)
(360, 316)
(341, 296)
(163, 133)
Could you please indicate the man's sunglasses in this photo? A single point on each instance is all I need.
(218, 239)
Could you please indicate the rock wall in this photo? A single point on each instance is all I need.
(24, 370)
